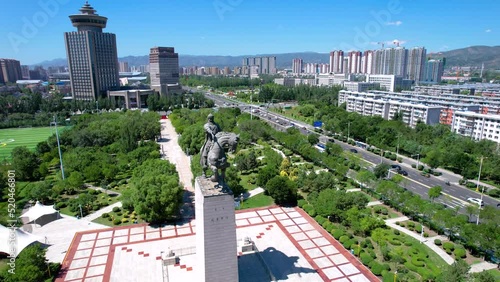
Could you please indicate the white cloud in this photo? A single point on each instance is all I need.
(396, 23)
(488, 30)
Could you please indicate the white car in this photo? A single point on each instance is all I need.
(476, 201)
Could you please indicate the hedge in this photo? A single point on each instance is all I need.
(418, 261)
(437, 242)
(337, 234)
(301, 203)
(366, 258)
(116, 209)
(117, 221)
(343, 239)
(460, 253)
(376, 268)
(448, 246)
(320, 219)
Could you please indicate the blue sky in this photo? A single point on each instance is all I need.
(31, 33)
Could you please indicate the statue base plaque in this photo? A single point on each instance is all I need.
(216, 247)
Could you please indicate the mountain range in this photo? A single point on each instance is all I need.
(470, 56)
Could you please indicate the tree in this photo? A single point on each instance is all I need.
(366, 177)
(483, 276)
(282, 190)
(30, 265)
(265, 174)
(25, 163)
(435, 192)
(156, 192)
(333, 149)
(457, 272)
(381, 170)
(233, 181)
(312, 138)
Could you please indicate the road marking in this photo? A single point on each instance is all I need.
(427, 186)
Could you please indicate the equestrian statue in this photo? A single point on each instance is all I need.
(213, 151)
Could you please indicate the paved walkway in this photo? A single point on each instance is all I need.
(374, 203)
(253, 192)
(479, 267)
(170, 150)
(427, 241)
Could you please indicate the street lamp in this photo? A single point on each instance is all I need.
(477, 189)
(59, 147)
(418, 159)
(397, 148)
(348, 130)
(81, 213)
(395, 275)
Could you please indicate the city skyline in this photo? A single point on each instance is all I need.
(34, 33)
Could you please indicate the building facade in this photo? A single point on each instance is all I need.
(264, 65)
(10, 71)
(477, 126)
(164, 69)
(297, 66)
(433, 71)
(92, 56)
(337, 61)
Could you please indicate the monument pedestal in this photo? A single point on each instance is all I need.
(216, 248)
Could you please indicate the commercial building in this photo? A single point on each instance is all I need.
(10, 71)
(477, 126)
(331, 79)
(164, 70)
(132, 99)
(92, 55)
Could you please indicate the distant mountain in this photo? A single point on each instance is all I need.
(472, 56)
(282, 60)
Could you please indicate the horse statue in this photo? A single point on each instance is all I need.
(216, 158)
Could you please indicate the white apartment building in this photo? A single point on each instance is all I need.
(388, 82)
(477, 126)
(359, 86)
(331, 79)
(371, 104)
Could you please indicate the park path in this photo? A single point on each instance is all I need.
(171, 151)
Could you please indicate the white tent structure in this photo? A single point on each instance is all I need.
(22, 240)
(44, 214)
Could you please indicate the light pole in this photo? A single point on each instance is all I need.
(418, 159)
(59, 148)
(81, 213)
(477, 189)
(348, 130)
(97, 105)
(395, 275)
(397, 148)
(381, 151)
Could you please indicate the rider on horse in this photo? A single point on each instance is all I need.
(211, 128)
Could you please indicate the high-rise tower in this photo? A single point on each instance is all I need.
(164, 69)
(92, 55)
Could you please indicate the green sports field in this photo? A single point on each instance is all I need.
(29, 137)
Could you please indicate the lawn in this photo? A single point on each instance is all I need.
(257, 201)
(495, 273)
(29, 137)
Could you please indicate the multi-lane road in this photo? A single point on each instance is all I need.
(453, 195)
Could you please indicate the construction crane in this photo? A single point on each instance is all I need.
(381, 43)
(395, 42)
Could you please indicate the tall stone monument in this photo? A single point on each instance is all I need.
(216, 247)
